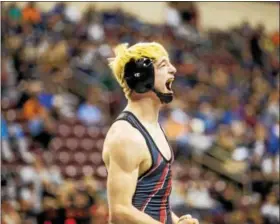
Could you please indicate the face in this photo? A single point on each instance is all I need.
(164, 75)
(35, 87)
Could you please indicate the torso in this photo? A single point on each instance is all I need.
(155, 177)
(163, 147)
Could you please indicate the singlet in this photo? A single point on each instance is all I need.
(153, 188)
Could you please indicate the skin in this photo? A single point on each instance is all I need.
(126, 163)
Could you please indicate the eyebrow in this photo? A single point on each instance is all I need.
(162, 61)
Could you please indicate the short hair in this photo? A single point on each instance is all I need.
(124, 54)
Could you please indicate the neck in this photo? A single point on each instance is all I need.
(145, 109)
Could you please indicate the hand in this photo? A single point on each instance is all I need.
(187, 219)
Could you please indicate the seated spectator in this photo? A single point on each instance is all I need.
(96, 32)
(270, 163)
(207, 114)
(9, 215)
(52, 213)
(14, 12)
(14, 130)
(6, 150)
(175, 125)
(73, 14)
(8, 78)
(270, 210)
(177, 198)
(30, 200)
(58, 8)
(198, 196)
(89, 113)
(198, 140)
(36, 112)
(31, 13)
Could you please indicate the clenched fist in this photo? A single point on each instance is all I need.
(187, 219)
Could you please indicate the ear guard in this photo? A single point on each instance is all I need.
(140, 75)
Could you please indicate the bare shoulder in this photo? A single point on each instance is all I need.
(123, 142)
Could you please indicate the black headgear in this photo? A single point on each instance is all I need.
(140, 77)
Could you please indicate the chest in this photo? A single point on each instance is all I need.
(160, 141)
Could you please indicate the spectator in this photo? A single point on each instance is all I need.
(73, 14)
(14, 12)
(270, 210)
(31, 13)
(15, 131)
(39, 121)
(6, 149)
(198, 197)
(9, 215)
(95, 32)
(58, 8)
(89, 113)
(52, 212)
(9, 79)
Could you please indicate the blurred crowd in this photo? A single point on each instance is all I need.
(55, 83)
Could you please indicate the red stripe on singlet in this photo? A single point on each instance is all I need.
(164, 200)
(158, 186)
(159, 160)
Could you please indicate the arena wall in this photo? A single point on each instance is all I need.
(224, 14)
(212, 14)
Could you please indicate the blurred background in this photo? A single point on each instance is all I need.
(58, 99)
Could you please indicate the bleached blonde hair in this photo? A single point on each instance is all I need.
(124, 54)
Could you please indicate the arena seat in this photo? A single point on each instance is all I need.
(71, 171)
(80, 157)
(72, 143)
(101, 172)
(64, 130)
(88, 170)
(93, 132)
(56, 144)
(99, 144)
(64, 157)
(88, 144)
(79, 131)
(95, 158)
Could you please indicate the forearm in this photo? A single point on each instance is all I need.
(175, 218)
(131, 215)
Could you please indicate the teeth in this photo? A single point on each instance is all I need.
(169, 84)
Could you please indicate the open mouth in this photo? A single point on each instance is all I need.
(168, 84)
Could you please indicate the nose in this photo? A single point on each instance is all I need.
(172, 69)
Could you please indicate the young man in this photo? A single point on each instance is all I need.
(136, 152)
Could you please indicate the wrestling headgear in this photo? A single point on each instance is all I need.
(140, 77)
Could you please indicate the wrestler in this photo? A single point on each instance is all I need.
(136, 152)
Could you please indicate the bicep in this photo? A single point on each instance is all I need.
(122, 156)
(121, 184)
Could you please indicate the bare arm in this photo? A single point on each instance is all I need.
(122, 155)
(175, 218)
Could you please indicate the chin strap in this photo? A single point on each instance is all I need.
(164, 97)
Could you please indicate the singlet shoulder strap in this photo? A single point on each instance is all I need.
(126, 117)
(130, 118)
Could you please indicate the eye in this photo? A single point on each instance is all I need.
(162, 65)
